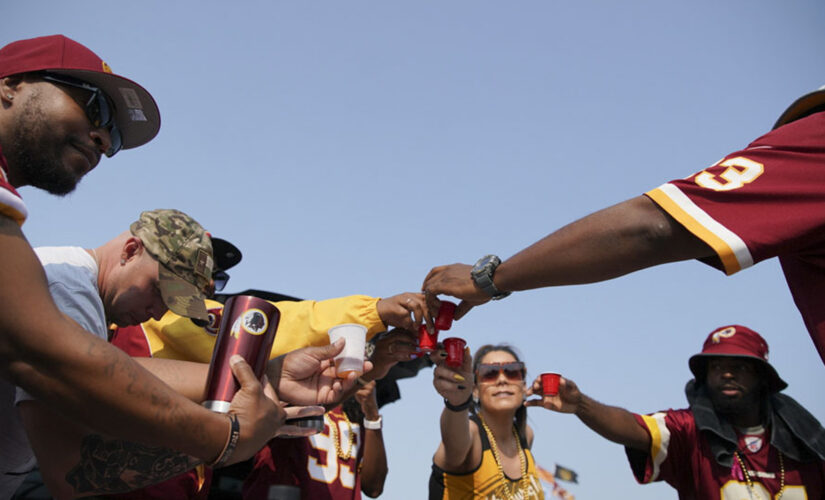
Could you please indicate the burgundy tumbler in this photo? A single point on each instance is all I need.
(247, 328)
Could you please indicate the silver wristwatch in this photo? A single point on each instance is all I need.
(482, 274)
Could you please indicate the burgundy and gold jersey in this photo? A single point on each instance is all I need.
(485, 482)
(312, 463)
(764, 201)
(11, 204)
(681, 456)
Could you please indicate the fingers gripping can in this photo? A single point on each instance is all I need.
(247, 328)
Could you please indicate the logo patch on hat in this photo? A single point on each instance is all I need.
(725, 333)
(105, 67)
(202, 263)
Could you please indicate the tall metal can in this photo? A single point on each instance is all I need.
(247, 328)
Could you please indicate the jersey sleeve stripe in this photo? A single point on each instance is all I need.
(730, 248)
(659, 441)
(12, 206)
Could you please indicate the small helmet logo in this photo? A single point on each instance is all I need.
(724, 333)
(213, 321)
(106, 68)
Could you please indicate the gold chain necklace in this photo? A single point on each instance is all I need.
(521, 457)
(336, 437)
(748, 476)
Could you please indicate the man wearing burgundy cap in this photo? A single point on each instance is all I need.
(739, 438)
(61, 108)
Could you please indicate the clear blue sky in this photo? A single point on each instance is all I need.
(348, 147)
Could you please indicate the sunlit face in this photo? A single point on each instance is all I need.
(733, 385)
(502, 393)
(133, 295)
(53, 144)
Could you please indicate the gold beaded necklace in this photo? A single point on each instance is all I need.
(748, 476)
(337, 438)
(521, 457)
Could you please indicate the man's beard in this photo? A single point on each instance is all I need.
(735, 407)
(31, 155)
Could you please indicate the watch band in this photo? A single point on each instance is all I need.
(482, 274)
(463, 406)
(373, 425)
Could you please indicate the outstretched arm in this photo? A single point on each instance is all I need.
(611, 422)
(618, 240)
(374, 461)
(460, 447)
(75, 461)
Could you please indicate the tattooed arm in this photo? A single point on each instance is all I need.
(75, 462)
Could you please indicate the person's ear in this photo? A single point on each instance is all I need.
(9, 86)
(132, 248)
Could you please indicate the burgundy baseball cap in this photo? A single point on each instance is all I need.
(809, 103)
(136, 113)
(736, 341)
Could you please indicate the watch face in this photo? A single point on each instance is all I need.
(484, 263)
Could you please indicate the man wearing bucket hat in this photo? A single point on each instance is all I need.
(61, 108)
(739, 438)
(764, 201)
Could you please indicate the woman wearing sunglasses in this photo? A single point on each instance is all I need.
(485, 439)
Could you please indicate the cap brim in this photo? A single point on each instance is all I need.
(136, 112)
(698, 362)
(801, 107)
(226, 254)
(181, 297)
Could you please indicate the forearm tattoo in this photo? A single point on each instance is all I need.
(116, 466)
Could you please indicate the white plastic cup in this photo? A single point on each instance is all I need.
(351, 359)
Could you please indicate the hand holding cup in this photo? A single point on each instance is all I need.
(566, 399)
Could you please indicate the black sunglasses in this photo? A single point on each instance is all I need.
(489, 372)
(220, 278)
(99, 109)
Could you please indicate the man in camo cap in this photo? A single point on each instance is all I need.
(163, 262)
(183, 251)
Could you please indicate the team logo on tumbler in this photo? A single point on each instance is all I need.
(253, 321)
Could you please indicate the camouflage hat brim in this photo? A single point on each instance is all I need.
(181, 297)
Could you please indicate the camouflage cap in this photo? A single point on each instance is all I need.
(184, 250)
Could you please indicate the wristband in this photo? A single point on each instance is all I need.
(463, 406)
(373, 425)
(231, 442)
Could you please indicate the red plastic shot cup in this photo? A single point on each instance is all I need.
(455, 351)
(550, 384)
(426, 342)
(446, 313)
(247, 328)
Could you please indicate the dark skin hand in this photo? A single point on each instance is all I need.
(611, 422)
